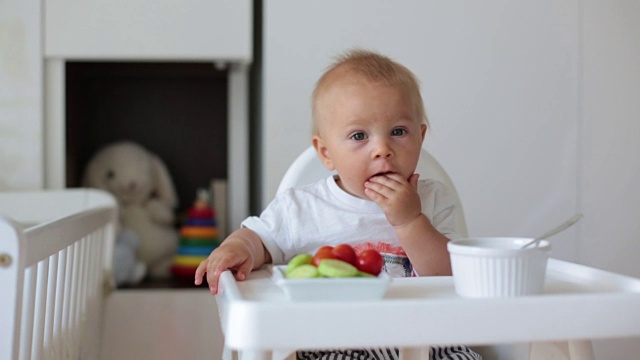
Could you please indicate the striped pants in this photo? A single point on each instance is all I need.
(435, 353)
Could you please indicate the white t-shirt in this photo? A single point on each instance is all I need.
(302, 219)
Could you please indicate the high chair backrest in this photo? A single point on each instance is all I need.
(308, 168)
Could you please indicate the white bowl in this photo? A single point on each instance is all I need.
(498, 266)
(332, 289)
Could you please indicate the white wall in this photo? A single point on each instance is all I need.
(534, 109)
(21, 124)
(609, 169)
(499, 83)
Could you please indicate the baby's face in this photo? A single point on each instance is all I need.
(367, 129)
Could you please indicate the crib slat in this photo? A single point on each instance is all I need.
(97, 263)
(28, 304)
(80, 310)
(75, 298)
(83, 292)
(40, 308)
(94, 303)
(68, 294)
(85, 277)
(57, 335)
(50, 304)
(88, 301)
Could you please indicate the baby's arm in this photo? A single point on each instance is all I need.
(242, 252)
(425, 246)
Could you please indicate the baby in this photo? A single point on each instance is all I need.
(369, 123)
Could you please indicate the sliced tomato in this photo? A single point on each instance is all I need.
(321, 254)
(345, 253)
(370, 261)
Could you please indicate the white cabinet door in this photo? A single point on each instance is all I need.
(149, 29)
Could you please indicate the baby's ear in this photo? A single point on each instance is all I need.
(323, 152)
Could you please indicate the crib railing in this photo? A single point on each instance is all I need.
(53, 275)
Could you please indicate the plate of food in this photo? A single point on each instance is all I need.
(327, 277)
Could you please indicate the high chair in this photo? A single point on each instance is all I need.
(308, 168)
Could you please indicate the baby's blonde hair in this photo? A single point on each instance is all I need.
(372, 67)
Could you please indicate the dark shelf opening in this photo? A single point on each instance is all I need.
(179, 111)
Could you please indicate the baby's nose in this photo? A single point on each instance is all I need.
(383, 150)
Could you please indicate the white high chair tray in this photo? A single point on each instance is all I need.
(578, 302)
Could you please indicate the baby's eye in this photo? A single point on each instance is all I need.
(359, 136)
(111, 174)
(398, 132)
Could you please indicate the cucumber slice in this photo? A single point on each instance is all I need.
(300, 259)
(364, 274)
(336, 268)
(304, 271)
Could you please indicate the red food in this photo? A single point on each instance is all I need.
(323, 248)
(345, 253)
(325, 252)
(370, 261)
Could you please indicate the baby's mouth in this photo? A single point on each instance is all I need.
(384, 173)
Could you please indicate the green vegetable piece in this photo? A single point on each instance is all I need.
(296, 261)
(304, 271)
(364, 274)
(336, 268)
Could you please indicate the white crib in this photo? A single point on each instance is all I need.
(55, 269)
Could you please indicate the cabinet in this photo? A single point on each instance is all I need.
(215, 31)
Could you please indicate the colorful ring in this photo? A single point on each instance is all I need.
(188, 261)
(185, 241)
(183, 270)
(200, 213)
(199, 222)
(198, 232)
(196, 250)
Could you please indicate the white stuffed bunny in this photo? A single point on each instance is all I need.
(147, 198)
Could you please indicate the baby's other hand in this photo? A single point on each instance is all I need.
(397, 196)
(230, 255)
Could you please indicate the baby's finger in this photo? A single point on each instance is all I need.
(212, 279)
(213, 274)
(200, 271)
(413, 180)
(372, 195)
(393, 181)
(396, 177)
(380, 187)
(243, 270)
(216, 269)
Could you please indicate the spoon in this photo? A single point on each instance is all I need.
(553, 231)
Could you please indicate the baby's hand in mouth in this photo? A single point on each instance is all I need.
(385, 174)
(396, 195)
(384, 182)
